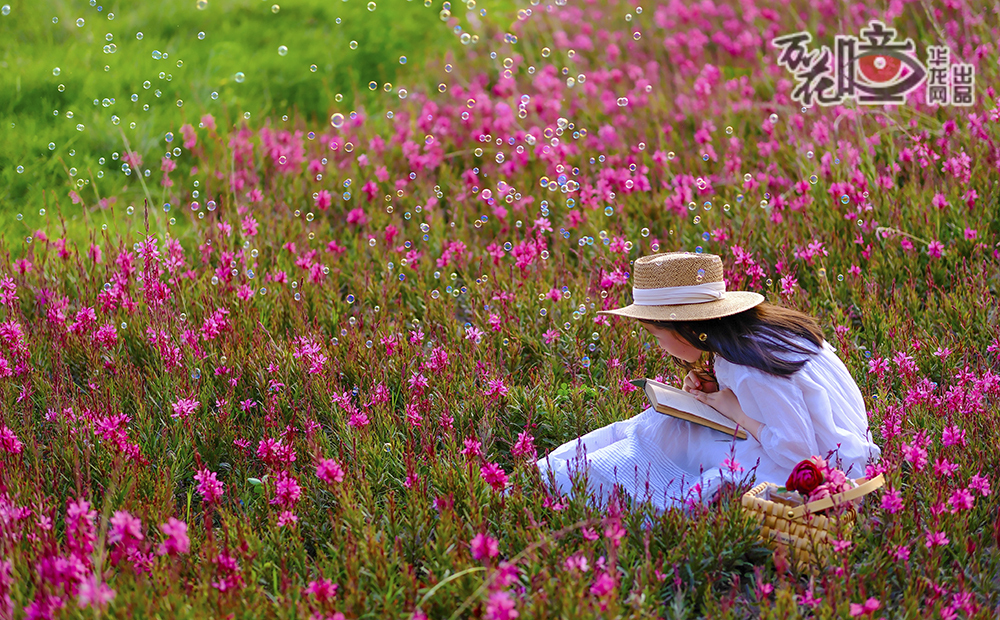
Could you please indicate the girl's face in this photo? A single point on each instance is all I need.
(673, 344)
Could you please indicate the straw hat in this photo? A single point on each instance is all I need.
(681, 286)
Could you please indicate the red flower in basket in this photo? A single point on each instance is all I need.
(805, 477)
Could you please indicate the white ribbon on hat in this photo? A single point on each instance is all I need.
(676, 295)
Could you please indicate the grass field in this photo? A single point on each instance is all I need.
(299, 60)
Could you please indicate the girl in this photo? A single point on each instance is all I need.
(769, 369)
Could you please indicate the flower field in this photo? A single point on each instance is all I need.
(301, 363)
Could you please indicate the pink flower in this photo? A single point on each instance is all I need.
(501, 606)
(939, 201)
(901, 553)
(981, 484)
(971, 234)
(473, 333)
(936, 539)
(9, 441)
(524, 446)
(961, 500)
(286, 490)
(472, 447)
(603, 585)
(176, 540)
(495, 387)
(94, 592)
(190, 138)
(953, 436)
(357, 217)
(124, 528)
(494, 475)
(329, 471)
(323, 200)
(184, 407)
(732, 465)
(323, 590)
(935, 249)
(483, 547)
(209, 486)
(207, 121)
(868, 607)
(892, 502)
(287, 517)
(551, 336)
(840, 546)
(8, 290)
(577, 563)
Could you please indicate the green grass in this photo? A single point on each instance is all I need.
(240, 36)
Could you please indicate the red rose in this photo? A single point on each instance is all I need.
(805, 477)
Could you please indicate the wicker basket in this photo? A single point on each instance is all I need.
(802, 531)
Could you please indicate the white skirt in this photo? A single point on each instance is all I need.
(653, 457)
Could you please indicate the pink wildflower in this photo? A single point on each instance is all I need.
(94, 592)
(323, 590)
(209, 486)
(603, 585)
(176, 539)
(892, 502)
(868, 607)
(329, 471)
(184, 407)
(936, 539)
(483, 546)
(524, 446)
(494, 475)
(9, 441)
(286, 490)
(501, 606)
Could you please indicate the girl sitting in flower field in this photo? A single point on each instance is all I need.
(769, 370)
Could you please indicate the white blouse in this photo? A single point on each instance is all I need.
(817, 410)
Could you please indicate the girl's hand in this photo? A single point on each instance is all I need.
(726, 403)
(694, 382)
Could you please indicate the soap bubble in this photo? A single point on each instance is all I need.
(79, 23)
(337, 120)
(5, 9)
(282, 50)
(201, 4)
(239, 77)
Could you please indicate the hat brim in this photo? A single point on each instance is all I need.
(733, 303)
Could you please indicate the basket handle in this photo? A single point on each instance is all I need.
(863, 488)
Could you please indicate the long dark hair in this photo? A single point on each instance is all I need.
(761, 337)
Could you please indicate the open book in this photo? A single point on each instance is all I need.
(679, 404)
